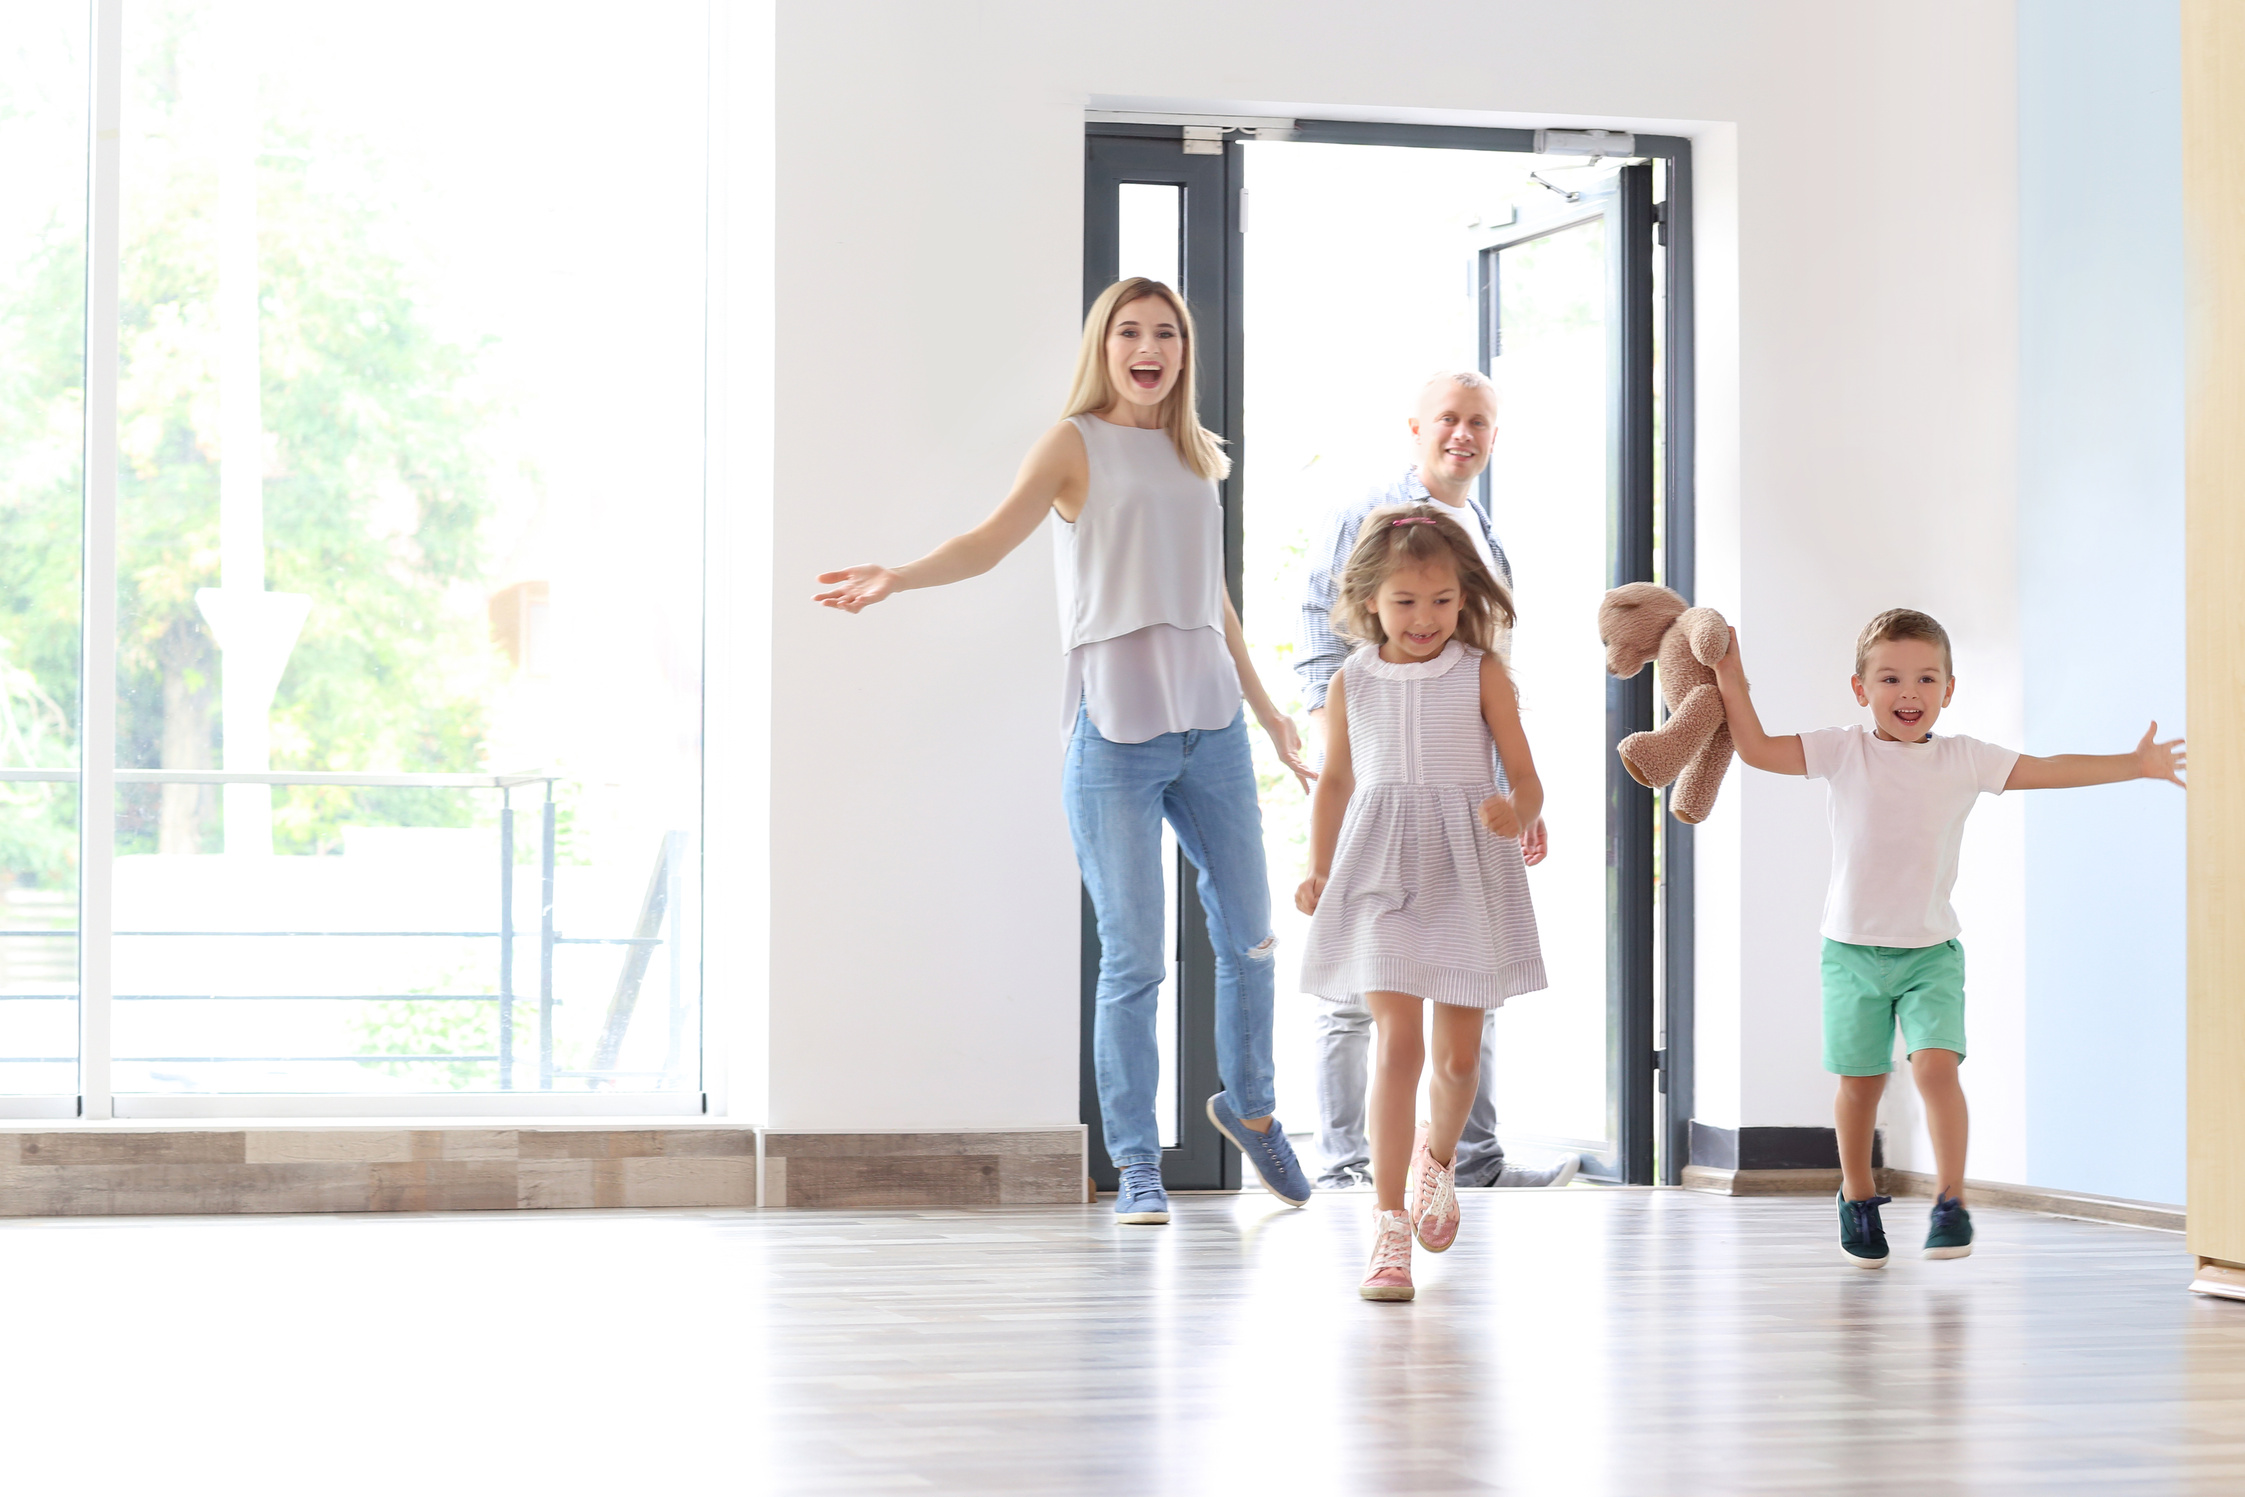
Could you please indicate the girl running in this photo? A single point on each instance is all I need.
(1416, 879)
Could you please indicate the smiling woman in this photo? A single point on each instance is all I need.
(1156, 669)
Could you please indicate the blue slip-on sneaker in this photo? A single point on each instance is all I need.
(1949, 1233)
(1273, 1157)
(1862, 1237)
(1141, 1202)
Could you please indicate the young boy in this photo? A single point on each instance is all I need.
(1897, 797)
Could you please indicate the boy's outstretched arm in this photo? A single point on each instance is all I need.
(1757, 748)
(2152, 760)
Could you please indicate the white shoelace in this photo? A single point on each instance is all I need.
(1392, 1247)
(1438, 1195)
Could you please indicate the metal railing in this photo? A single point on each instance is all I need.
(660, 909)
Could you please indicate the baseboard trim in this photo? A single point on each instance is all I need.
(860, 1171)
(178, 1167)
(2049, 1202)
(1896, 1182)
(1724, 1182)
(183, 1169)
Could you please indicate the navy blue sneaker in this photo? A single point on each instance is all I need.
(1949, 1233)
(1273, 1157)
(1862, 1237)
(1142, 1202)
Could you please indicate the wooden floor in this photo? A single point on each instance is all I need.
(1574, 1342)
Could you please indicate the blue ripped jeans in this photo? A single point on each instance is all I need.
(1118, 795)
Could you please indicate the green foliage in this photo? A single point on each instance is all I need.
(423, 1027)
(38, 822)
(375, 495)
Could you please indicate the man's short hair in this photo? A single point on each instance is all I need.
(1903, 623)
(1471, 379)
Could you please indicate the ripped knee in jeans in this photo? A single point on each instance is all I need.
(1263, 952)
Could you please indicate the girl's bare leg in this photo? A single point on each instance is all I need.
(1454, 1076)
(1856, 1112)
(1399, 1051)
(1946, 1118)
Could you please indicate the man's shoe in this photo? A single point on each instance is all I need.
(1949, 1234)
(1344, 1179)
(1862, 1237)
(1527, 1179)
(1270, 1153)
(1142, 1202)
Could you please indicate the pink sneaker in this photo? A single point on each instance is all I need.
(1390, 1274)
(1433, 1203)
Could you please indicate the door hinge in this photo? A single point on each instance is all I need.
(1204, 140)
(1243, 210)
(1660, 1071)
(1660, 224)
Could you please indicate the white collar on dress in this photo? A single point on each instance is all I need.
(1424, 670)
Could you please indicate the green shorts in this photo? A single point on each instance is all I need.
(1868, 988)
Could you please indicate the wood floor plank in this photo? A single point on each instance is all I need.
(1579, 1342)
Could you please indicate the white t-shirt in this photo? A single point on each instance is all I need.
(1470, 523)
(1897, 813)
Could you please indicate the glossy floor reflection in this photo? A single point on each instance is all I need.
(1575, 1342)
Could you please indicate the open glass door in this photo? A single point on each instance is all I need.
(1372, 256)
(1559, 336)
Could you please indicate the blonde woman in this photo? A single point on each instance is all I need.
(1155, 672)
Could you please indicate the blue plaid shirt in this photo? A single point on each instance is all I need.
(1324, 650)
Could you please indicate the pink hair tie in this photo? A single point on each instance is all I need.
(1414, 520)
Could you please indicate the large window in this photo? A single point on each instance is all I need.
(394, 606)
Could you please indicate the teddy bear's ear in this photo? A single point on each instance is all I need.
(1631, 620)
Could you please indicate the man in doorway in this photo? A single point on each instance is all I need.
(1452, 432)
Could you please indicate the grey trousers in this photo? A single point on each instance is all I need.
(1344, 1073)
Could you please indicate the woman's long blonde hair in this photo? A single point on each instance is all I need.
(1198, 448)
(1418, 533)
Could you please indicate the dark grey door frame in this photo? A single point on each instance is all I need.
(1650, 1051)
(1209, 256)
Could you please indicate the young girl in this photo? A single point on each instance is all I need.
(1416, 879)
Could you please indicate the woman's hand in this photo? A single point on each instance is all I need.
(1499, 817)
(1288, 741)
(860, 587)
(1533, 844)
(1306, 897)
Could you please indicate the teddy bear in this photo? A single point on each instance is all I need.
(1643, 621)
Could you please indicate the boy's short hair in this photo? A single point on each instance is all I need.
(1903, 623)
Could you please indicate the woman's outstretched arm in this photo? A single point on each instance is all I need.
(1056, 471)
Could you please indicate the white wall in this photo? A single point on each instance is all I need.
(1857, 374)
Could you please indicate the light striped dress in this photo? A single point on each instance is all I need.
(1421, 898)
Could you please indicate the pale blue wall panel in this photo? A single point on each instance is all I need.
(2101, 584)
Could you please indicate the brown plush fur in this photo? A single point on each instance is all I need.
(1642, 622)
